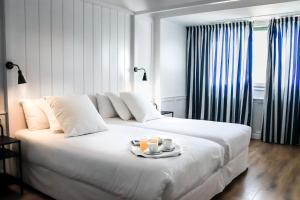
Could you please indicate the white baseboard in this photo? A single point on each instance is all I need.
(256, 135)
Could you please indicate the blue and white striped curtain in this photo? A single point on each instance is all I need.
(282, 99)
(219, 72)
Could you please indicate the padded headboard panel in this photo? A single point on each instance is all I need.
(65, 47)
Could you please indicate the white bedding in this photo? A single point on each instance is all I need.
(233, 137)
(103, 160)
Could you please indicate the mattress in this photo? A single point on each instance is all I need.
(233, 137)
(103, 160)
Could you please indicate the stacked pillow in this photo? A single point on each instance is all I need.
(141, 109)
(78, 115)
(105, 106)
(35, 116)
(72, 115)
(119, 105)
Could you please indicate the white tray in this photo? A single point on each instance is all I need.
(161, 154)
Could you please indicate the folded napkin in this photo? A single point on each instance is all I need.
(176, 152)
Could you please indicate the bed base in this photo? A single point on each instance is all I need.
(43, 180)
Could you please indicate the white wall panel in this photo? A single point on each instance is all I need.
(106, 48)
(88, 48)
(2, 63)
(33, 47)
(45, 47)
(97, 51)
(67, 47)
(172, 59)
(121, 50)
(113, 51)
(57, 47)
(78, 47)
(143, 55)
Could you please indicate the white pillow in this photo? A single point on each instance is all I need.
(77, 115)
(93, 99)
(141, 109)
(119, 106)
(54, 124)
(105, 107)
(35, 118)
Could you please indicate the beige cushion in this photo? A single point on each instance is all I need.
(54, 124)
(76, 115)
(105, 106)
(119, 106)
(35, 117)
(140, 107)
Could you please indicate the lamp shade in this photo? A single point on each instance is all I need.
(144, 77)
(21, 79)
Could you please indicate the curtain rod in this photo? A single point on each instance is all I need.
(253, 18)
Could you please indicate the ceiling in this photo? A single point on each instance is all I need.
(147, 6)
(259, 13)
(154, 6)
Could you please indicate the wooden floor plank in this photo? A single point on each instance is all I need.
(273, 174)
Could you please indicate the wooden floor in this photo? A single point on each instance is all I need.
(273, 174)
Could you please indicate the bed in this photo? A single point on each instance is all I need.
(234, 138)
(100, 166)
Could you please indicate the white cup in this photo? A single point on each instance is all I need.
(167, 144)
(153, 147)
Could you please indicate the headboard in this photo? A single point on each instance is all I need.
(65, 48)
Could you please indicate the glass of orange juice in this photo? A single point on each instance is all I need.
(143, 144)
(154, 139)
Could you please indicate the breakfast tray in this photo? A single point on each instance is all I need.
(161, 154)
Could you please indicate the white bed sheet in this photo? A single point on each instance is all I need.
(233, 137)
(103, 160)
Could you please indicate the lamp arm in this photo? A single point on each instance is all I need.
(17, 67)
(137, 69)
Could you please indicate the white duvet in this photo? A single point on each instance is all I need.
(233, 137)
(104, 160)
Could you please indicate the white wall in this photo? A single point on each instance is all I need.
(2, 59)
(173, 67)
(66, 47)
(143, 55)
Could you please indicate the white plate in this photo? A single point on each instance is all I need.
(147, 152)
(169, 150)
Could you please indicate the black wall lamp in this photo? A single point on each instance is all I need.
(11, 65)
(135, 69)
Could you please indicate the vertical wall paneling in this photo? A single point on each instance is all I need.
(88, 48)
(57, 47)
(128, 69)
(121, 52)
(15, 51)
(105, 48)
(33, 47)
(65, 47)
(97, 51)
(45, 47)
(78, 47)
(113, 54)
(68, 46)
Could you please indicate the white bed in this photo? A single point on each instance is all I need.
(100, 166)
(233, 137)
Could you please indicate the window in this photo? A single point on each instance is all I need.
(260, 56)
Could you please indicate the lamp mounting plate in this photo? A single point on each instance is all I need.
(9, 65)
